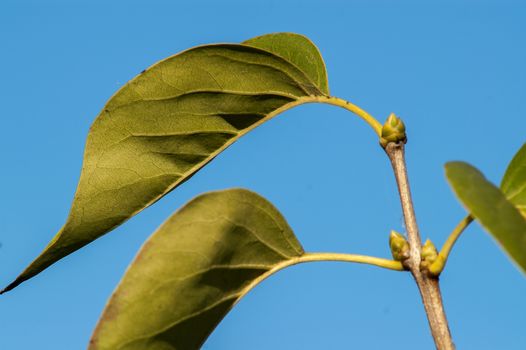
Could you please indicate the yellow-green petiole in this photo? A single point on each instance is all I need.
(437, 266)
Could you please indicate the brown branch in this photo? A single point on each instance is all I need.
(428, 285)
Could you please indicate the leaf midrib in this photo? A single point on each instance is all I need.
(194, 169)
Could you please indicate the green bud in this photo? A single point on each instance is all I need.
(428, 255)
(399, 246)
(393, 130)
(435, 269)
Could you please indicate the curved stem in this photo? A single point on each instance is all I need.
(352, 258)
(437, 266)
(448, 245)
(335, 101)
(312, 257)
(360, 259)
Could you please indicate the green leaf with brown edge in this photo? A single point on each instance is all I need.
(514, 181)
(299, 50)
(193, 270)
(166, 124)
(491, 208)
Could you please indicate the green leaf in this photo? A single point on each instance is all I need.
(514, 181)
(299, 50)
(490, 206)
(193, 270)
(168, 122)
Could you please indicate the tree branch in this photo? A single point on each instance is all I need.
(428, 285)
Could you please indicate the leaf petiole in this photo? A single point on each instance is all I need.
(353, 258)
(436, 267)
(335, 101)
(360, 259)
(313, 257)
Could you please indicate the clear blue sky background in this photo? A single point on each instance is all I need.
(453, 70)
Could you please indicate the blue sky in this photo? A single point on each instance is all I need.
(453, 70)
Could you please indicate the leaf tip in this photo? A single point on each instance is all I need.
(452, 168)
(28, 273)
(10, 286)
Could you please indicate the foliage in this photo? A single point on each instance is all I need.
(500, 211)
(175, 117)
(201, 266)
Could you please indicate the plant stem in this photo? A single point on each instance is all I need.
(313, 257)
(335, 101)
(428, 285)
(441, 260)
(360, 259)
(448, 245)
